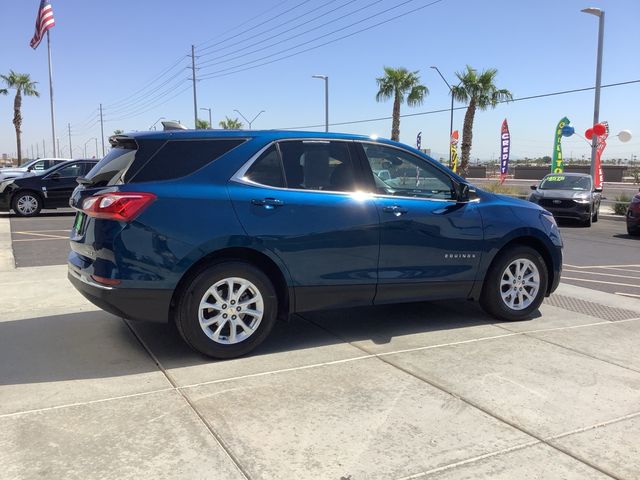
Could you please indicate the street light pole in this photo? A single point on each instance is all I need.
(326, 99)
(85, 146)
(154, 123)
(245, 118)
(451, 114)
(210, 124)
(596, 105)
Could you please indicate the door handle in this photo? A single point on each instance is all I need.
(395, 209)
(268, 203)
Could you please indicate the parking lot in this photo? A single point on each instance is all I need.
(424, 390)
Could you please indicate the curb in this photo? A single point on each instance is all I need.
(7, 261)
(614, 218)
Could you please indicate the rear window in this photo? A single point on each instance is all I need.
(156, 160)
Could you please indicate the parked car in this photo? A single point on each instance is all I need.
(37, 165)
(569, 195)
(222, 232)
(633, 216)
(33, 191)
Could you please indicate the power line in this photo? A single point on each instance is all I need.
(306, 32)
(530, 97)
(258, 25)
(219, 73)
(151, 108)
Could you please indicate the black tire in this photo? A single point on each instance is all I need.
(595, 214)
(491, 298)
(26, 204)
(633, 231)
(588, 221)
(187, 313)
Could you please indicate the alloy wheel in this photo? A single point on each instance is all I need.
(519, 284)
(27, 204)
(231, 310)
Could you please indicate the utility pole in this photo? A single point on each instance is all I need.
(70, 148)
(37, 150)
(101, 132)
(195, 98)
(32, 151)
(44, 150)
(58, 149)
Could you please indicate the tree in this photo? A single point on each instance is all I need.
(480, 92)
(118, 132)
(202, 125)
(22, 84)
(231, 123)
(398, 83)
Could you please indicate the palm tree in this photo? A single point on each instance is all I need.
(398, 83)
(231, 123)
(481, 93)
(118, 132)
(23, 84)
(202, 125)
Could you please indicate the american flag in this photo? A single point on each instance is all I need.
(44, 21)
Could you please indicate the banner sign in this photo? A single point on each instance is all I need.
(602, 142)
(557, 165)
(454, 151)
(419, 140)
(505, 142)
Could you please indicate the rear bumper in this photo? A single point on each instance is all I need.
(133, 303)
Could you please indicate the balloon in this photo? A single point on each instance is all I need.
(624, 135)
(567, 131)
(599, 129)
(589, 134)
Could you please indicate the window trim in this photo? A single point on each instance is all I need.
(48, 176)
(239, 176)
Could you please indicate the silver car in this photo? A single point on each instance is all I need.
(568, 195)
(37, 165)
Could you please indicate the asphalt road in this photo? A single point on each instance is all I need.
(602, 257)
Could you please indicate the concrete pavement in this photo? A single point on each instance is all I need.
(423, 390)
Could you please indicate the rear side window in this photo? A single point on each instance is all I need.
(318, 165)
(178, 158)
(267, 169)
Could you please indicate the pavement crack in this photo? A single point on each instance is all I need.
(218, 438)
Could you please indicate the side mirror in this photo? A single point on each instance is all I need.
(30, 168)
(462, 190)
(533, 187)
(55, 176)
(598, 189)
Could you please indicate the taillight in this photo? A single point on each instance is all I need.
(123, 206)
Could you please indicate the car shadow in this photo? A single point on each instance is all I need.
(93, 345)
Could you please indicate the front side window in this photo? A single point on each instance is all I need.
(40, 165)
(397, 172)
(318, 165)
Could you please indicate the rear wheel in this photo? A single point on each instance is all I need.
(515, 284)
(227, 310)
(26, 204)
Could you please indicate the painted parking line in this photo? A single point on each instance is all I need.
(602, 281)
(41, 234)
(603, 274)
(632, 295)
(39, 239)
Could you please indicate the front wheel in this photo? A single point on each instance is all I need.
(26, 204)
(227, 310)
(515, 284)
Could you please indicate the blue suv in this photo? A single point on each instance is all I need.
(223, 232)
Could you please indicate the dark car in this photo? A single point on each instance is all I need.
(33, 191)
(222, 232)
(633, 216)
(569, 195)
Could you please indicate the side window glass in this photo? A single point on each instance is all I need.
(74, 170)
(400, 173)
(39, 166)
(318, 165)
(267, 169)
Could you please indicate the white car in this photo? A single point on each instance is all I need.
(37, 165)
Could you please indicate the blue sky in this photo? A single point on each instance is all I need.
(105, 52)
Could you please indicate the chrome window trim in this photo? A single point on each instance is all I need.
(239, 176)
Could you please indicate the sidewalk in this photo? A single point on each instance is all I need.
(425, 390)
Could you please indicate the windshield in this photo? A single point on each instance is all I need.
(566, 182)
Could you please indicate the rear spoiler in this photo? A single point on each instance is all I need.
(122, 141)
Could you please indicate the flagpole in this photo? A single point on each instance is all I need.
(53, 120)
